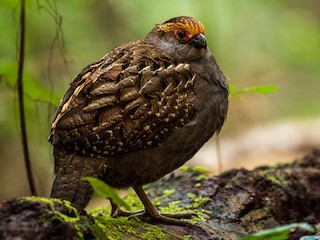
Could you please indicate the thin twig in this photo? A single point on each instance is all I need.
(20, 97)
(218, 152)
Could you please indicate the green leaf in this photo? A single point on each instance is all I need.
(278, 233)
(184, 168)
(310, 238)
(267, 89)
(201, 170)
(105, 191)
(261, 89)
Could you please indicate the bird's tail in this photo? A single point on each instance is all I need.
(69, 169)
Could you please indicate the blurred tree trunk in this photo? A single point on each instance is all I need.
(233, 204)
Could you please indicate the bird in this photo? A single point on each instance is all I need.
(137, 114)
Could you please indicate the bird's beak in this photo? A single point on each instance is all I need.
(199, 41)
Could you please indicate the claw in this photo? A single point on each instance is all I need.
(151, 213)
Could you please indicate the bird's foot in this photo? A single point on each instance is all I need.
(151, 214)
(118, 212)
(166, 218)
(178, 215)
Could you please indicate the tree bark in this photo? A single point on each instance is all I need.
(229, 206)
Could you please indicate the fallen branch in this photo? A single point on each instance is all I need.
(229, 206)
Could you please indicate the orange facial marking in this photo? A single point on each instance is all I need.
(190, 25)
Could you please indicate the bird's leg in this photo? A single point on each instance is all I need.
(152, 212)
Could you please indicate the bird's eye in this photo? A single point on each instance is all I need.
(181, 35)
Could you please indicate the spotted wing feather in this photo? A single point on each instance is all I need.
(128, 100)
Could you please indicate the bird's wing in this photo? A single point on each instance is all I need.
(129, 100)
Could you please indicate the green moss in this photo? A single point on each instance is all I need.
(186, 237)
(166, 193)
(125, 227)
(135, 204)
(198, 201)
(154, 234)
(272, 176)
(78, 223)
(51, 202)
(106, 227)
(173, 207)
(201, 177)
(194, 208)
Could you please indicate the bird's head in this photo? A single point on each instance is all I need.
(181, 37)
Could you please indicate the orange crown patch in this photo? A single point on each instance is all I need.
(188, 24)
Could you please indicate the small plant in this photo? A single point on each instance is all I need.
(279, 233)
(267, 89)
(105, 191)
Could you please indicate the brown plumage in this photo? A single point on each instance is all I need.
(138, 113)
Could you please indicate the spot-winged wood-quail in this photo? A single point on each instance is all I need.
(138, 113)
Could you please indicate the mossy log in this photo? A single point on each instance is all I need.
(228, 206)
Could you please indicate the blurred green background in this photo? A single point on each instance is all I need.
(255, 43)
